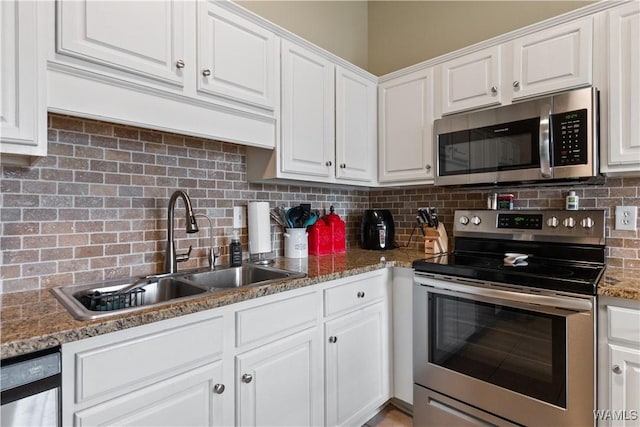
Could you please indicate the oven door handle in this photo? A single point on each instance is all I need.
(567, 303)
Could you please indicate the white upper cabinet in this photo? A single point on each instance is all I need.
(556, 59)
(141, 37)
(356, 119)
(206, 69)
(405, 136)
(622, 153)
(471, 81)
(23, 110)
(237, 59)
(307, 112)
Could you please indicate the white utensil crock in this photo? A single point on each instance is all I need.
(295, 243)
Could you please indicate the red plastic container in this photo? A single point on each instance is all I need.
(338, 232)
(320, 241)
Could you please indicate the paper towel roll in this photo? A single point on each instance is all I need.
(259, 228)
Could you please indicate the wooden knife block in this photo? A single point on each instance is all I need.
(436, 240)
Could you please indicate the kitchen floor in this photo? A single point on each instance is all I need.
(390, 417)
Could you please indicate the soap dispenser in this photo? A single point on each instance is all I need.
(235, 250)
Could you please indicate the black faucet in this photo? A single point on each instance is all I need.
(171, 259)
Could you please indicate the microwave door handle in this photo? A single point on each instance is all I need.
(544, 144)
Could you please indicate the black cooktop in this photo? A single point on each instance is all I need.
(535, 272)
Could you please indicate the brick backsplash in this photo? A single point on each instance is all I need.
(96, 207)
(623, 247)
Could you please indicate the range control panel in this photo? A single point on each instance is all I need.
(544, 225)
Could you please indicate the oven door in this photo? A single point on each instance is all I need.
(528, 358)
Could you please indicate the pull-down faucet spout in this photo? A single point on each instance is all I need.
(171, 259)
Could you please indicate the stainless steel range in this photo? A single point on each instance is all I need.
(504, 327)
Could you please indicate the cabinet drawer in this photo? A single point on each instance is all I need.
(130, 364)
(275, 319)
(624, 324)
(354, 294)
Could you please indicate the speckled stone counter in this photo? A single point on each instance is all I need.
(621, 283)
(35, 320)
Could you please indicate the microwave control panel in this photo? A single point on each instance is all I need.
(570, 138)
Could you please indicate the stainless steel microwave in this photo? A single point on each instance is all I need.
(545, 139)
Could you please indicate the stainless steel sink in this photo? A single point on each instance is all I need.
(92, 301)
(86, 302)
(235, 277)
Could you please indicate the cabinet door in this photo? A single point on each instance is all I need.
(357, 363)
(196, 398)
(471, 81)
(23, 127)
(355, 126)
(280, 384)
(307, 146)
(141, 37)
(553, 60)
(624, 88)
(237, 59)
(624, 384)
(405, 150)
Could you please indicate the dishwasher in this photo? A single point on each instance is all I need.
(30, 386)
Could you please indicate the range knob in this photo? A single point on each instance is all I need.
(569, 222)
(553, 222)
(475, 220)
(587, 223)
(464, 220)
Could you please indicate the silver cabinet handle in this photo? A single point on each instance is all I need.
(616, 369)
(247, 378)
(329, 163)
(360, 294)
(343, 165)
(180, 63)
(206, 72)
(428, 167)
(333, 339)
(218, 388)
(494, 89)
(516, 84)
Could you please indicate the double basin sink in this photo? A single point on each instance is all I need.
(86, 302)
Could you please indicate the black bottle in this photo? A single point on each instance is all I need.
(235, 250)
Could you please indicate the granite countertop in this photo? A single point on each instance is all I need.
(620, 283)
(35, 320)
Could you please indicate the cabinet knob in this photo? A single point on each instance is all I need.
(206, 72)
(616, 369)
(428, 167)
(180, 63)
(247, 378)
(218, 388)
(360, 294)
(343, 165)
(333, 339)
(329, 163)
(516, 84)
(494, 89)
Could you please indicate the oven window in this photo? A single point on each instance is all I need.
(520, 350)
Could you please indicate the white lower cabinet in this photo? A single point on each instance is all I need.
(280, 384)
(618, 363)
(167, 373)
(357, 350)
(255, 363)
(190, 399)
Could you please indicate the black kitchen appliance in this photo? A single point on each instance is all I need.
(504, 327)
(377, 230)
